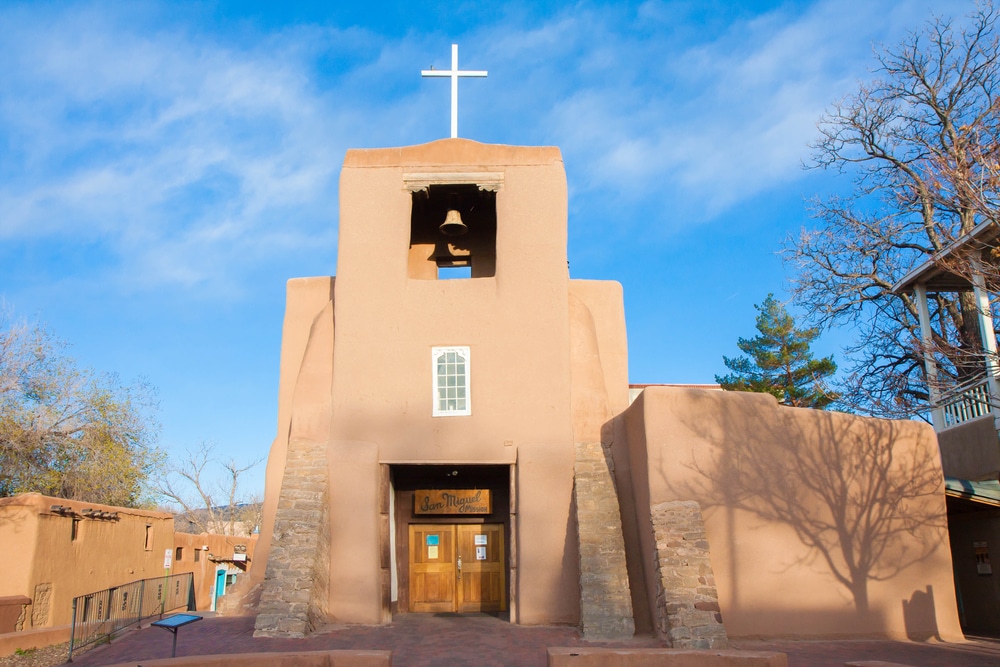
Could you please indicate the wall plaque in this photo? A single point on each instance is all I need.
(452, 501)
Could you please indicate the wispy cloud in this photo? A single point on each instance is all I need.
(187, 158)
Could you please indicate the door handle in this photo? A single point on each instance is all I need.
(459, 567)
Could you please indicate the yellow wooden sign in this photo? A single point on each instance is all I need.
(452, 501)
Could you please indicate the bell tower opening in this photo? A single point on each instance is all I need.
(453, 232)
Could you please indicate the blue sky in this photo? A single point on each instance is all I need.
(166, 167)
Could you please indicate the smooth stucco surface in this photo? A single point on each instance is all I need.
(806, 512)
(39, 553)
(374, 407)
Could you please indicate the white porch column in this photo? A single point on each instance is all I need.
(930, 365)
(988, 335)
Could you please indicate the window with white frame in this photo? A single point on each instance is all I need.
(450, 369)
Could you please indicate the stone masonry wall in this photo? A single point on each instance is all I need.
(687, 602)
(294, 597)
(605, 598)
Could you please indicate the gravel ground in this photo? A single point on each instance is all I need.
(48, 656)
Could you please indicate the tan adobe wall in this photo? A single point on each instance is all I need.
(529, 328)
(516, 324)
(971, 450)
(305, 300)
(50, 567)
(599, 352)
(221, 550)
(771, 482)
(18, 546)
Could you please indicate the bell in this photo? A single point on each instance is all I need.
(453, 225)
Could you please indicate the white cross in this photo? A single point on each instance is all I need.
(454, 73)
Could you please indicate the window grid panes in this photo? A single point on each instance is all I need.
(451, 381)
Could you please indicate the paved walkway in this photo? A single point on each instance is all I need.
(439, 641)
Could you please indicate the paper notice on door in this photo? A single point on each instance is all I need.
(480, 553)
(432, 552)
(480, 539)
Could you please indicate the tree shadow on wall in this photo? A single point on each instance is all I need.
(858, 496)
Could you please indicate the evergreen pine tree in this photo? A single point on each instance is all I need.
(780, 362)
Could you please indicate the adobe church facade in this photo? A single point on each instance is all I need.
(465, 443)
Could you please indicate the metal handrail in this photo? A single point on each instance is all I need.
(99, 615)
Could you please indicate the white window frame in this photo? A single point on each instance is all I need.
(464, 353)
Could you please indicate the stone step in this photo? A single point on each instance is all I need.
(605, 598)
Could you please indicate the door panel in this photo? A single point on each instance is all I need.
(439, 584)
(481, 582)
(432, 568)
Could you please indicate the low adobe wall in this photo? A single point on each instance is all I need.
(662, 657)
(971, 450)
(302, 659)
(820, 524)
(40, 638)
(12, 612)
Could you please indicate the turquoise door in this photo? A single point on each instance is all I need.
(220, 584)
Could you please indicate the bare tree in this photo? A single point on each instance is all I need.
(211, 504)
(921, 144)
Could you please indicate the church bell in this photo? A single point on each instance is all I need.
(453, 225)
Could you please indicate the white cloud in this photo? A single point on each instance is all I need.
(179, 153)
(189, 157)
(644, 117)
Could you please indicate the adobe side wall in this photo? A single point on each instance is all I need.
(203, 562)
(105, 553)
(599, 352)
(971, 450)
(305, 300)
(819, 523)
(18, 546)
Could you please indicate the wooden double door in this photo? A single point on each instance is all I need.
(457, 568)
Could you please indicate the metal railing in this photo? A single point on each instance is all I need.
(98, 616)
(967, 402)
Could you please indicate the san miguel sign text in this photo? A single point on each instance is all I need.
(452, 501)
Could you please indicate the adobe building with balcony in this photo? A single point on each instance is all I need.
(966, 416)
(455, 434)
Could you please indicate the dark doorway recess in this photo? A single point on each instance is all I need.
(408, 478)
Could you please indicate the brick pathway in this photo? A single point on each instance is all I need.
(439, 641)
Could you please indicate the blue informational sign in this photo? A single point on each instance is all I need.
(432, 540)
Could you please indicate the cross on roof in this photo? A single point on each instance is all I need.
(453, 73)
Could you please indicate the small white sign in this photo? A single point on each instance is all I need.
(982, 558)
(168, 558)
(239, 557)
(480, 553)
(432, 552)
(480, 539)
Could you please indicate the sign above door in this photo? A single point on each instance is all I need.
(452, 501)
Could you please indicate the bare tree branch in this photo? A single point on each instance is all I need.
(920, 141)
(219, 506)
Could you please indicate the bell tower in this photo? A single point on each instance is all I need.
(451, 358)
